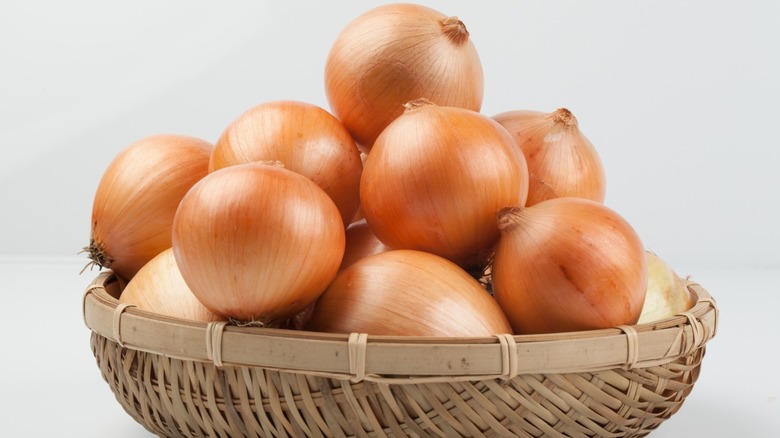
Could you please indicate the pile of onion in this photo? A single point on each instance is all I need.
(403, 211)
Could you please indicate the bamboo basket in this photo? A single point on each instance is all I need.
(186, 379)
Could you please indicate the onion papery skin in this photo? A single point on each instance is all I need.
(360, 242)
(305, 139)
(158, 287)
(568, 264)
(137, 197)
(667, 293)
(562, 162)
(437, 177)
(396, 53)
(407, 293)
(257, 243)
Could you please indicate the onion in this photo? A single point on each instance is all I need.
(257, 243)
(562, 162)
(568, 264)
(305, 138)
(137, 197)
(396, 53)
(360, 242)
(159, 287)
(407, 293)
(667, 294)
(436, 178)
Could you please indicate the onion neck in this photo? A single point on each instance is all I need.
(417, 104)
(455, 30)
(508, 218)
(564, 117)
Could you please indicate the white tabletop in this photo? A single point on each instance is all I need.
(51, 385)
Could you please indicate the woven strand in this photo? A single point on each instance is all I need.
(632, 344)
(87, 292)
(357, 344)
(214, 331)
(714, 306)
(116, 322)
(508, 356)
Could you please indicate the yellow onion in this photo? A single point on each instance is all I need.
(562, 162)
(305, 138)
(667, 293)
(159, 287)
(137, 198)
(257, 243)
(436, 178)
(568, 264)
(396, 53)
(360, 242)
(407, 293)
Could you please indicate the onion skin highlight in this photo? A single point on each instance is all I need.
(137, 197)
(568, 264)
(396, 53)
(435, 180)
(257, 243)
(407, 293)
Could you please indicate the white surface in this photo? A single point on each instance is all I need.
(51, 385)
(679, 98)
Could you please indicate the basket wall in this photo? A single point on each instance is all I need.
(181, 398)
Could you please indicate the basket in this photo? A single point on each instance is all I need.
(187, 379)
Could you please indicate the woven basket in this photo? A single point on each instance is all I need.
(180, 378)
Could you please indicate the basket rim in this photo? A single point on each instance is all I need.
(392, 358)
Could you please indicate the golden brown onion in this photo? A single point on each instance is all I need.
(396, 53)
(137, 198)
(562, 162)
(568, 264)
(437, 177)
(407, 293)
(257, 243)
(159, 287)
(305, 138)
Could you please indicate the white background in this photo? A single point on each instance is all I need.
(680, 99)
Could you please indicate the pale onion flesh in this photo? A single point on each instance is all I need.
(568, 264)
(158, 287)
(305, 139)
(137, 197)
(562, 162)
(257, 243)
(667, 293)
(407, 293)
(396, 53)
(436, 178)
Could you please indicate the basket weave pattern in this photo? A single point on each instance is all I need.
(173, 390)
